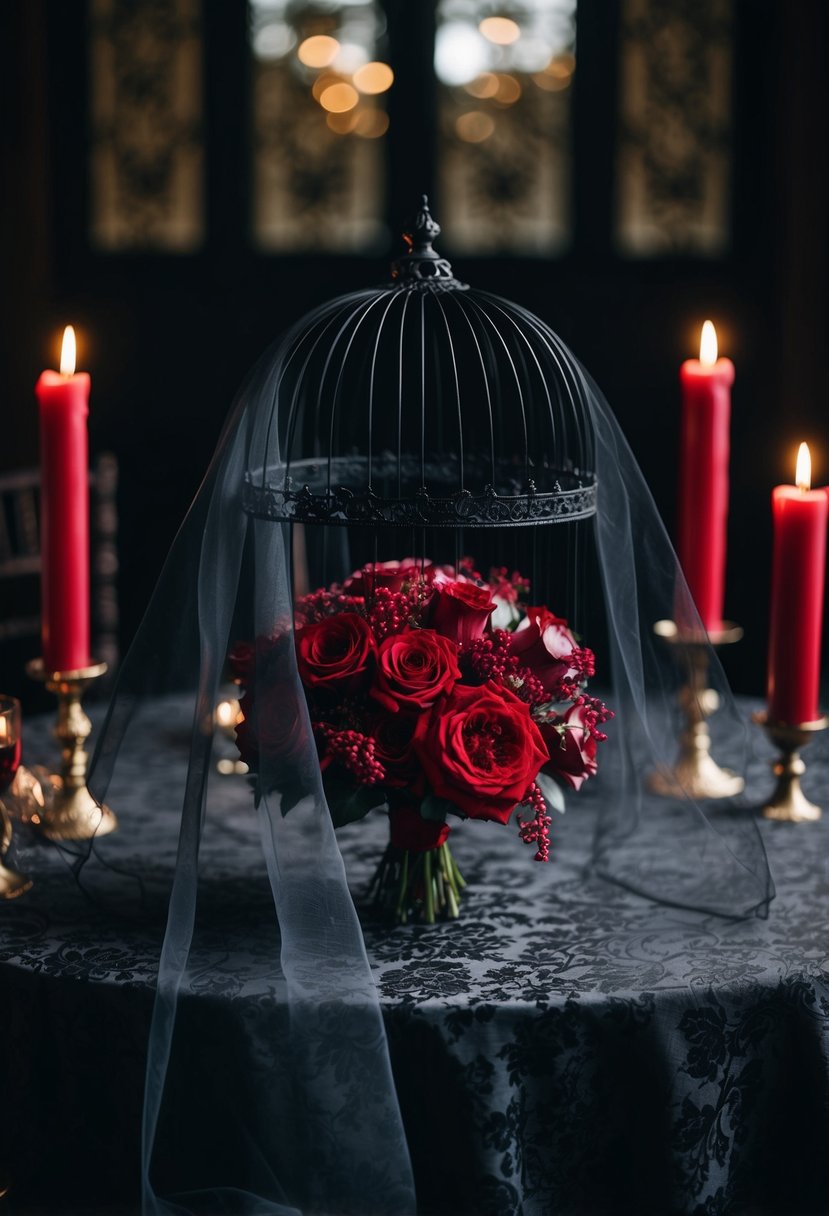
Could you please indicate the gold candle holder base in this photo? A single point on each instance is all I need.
(72, 813)
(788, 803)
(696, 774)
(12, 882)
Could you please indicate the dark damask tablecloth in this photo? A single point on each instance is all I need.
(566, 1047)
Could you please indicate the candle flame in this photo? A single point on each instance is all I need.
(708, 345)
(227, 713)
(803, 474)
(67, 352)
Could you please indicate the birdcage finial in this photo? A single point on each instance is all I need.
(421, 265)
(422, 229)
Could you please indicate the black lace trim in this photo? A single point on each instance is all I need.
(341, 493)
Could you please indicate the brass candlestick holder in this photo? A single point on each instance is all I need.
(72, 813)
(12, 883)
(788, 803)
(696, 774)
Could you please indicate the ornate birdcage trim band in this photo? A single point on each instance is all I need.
(565, 503)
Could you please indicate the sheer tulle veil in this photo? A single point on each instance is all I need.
(296, 1110)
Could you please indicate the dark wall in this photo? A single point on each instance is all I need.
(169, 339)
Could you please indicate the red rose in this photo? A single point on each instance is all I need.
(461, 611)
(393, 735)
(391, 575)
(481, 750)
(409, 830)
(544, 643)
(268, 659)
(414, 668)
(242, 661)
(572, 750)
(273, 727)
(336, 654)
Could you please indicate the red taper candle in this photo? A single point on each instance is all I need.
(64, 470)
(798, 573)
(703, 481)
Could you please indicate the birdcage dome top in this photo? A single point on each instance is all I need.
(421, 403)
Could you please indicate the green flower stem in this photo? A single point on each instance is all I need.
(452, 893)
(446, 864)
(439, 883)
(460, 881)
(430, 895)
(446, 868)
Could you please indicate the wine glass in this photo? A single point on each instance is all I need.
(11, 882)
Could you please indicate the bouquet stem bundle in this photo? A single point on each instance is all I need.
(409, 886)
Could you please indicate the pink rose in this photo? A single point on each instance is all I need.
(461, 611)
(544, 643)
(480, 750)
(572, 749)
(414, 668)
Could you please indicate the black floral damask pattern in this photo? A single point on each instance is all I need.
(565, 1047)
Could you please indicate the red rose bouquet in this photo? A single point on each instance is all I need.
(432, 692)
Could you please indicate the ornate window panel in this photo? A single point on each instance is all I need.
(504, 76)
(147, 161)
(674, 151)
(319, 117)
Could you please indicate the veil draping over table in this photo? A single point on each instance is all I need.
(295, 1109)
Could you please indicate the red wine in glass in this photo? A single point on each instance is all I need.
(9, 741)
(9, 764)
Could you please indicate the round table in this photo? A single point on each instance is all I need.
(565, 1047)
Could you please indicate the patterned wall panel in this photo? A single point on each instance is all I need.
(504, 79)
(673, 159)
(319, 121)
(147, 158)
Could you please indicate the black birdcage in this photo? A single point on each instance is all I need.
(428, 418)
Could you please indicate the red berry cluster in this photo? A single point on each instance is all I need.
(392, 611)
(466, 567)
(536, 830)
(594, 713)
(318, 605)
(490, 658)
(508, 586)
(354, 751)
(583, 661)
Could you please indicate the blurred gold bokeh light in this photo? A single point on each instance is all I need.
(501, 30)
(338, 98)
(318, 51)
(474, 127)
(373, 78)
